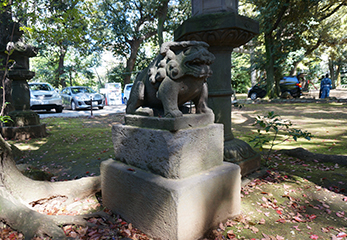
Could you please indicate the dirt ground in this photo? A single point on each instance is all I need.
(338, 93)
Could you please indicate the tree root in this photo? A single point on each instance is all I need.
(19, 194)
(303, 154)
(32, 223)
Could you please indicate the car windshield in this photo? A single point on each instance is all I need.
(82, 90)
(40, 87)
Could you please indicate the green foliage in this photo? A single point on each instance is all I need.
(272, 124)
(59, 29)
(241, 79)
(5, 119)
(291, 33)
(129, 25)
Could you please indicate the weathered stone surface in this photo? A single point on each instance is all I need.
(174, 209)
(213, 6)
(170, 124)
(226, 29)
(170, 154)
(176, 76)
(25, 132)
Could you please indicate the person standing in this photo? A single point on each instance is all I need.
(325, 86)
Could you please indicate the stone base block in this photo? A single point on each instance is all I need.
(171, 209)
(241, 153)
(170, 124)
(249, 165)
(170, 154)
(25, 132)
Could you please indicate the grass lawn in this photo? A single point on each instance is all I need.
(293, 200)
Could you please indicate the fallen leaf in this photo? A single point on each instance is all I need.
(296, 218)
(254, 229)
(262, 221)
(313, 236)
(297, 228)
(341, 235)
(340, 214)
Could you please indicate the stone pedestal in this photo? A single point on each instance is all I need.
(24, 125)
(171, 184)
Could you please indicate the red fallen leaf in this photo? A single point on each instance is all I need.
(298, 219)
(231, 234)
(131, 169)
(313, 236)
(123, 223)
(12, 236)
(325, 205)
(297, 228)
(340, 214)
(281, 220)
(279, 212)
(87, 172)
(312, 216)
(341, 235)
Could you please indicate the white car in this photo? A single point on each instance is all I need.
(44, 97)
(126, 92)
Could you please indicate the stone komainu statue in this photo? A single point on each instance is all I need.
(174, 77)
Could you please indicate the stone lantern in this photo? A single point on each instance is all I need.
(14, 55)
(218, 23)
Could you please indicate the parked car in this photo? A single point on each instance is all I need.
(126, 92)
(289, 87)
(258, 90)
(44, 97)
(80, 98)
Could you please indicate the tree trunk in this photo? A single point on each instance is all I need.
(6, 95)
(338, 77)
(332, 73)
(161, 15)
(18, 194)
(270, 66)
(294, 68)
(135, 45)
(61, 70)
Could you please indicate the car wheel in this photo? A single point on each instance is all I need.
(286, 95)
(101, 107)
(254, 96)
(73, 106)
(125, 100)
(59, 109)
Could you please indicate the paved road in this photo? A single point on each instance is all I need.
(84, 113)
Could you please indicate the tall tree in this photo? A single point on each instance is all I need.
(289, 26)
(57, 27)
(130, 24)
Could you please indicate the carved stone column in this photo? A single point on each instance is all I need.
(25, 123)
(218, 23)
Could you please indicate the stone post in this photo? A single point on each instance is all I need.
(25, 123)
(218, 23)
